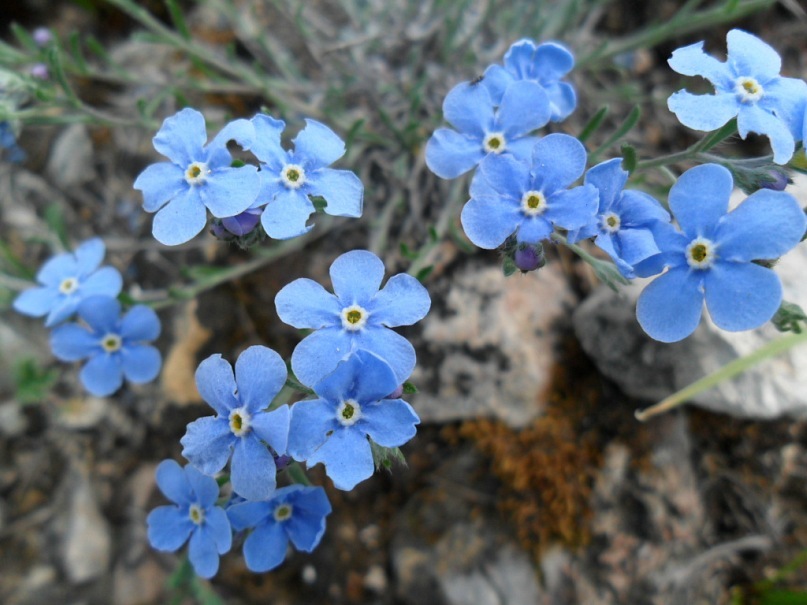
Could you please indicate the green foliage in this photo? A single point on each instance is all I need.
(32, 383)
(789, 318)
(386, 457)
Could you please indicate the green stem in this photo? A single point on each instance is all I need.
(297, 474)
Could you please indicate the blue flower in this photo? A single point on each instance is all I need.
(9, 150)
(242, 423)
(113, 345)
(290, 177)
(748, 87)
(198, 176)
(712, 256)
(530, 198)
(66, 280)
(482, 129)
(193, 515)
(358, 316)
(293, 513)
(625, 222)
(352, 406)
(545, 64)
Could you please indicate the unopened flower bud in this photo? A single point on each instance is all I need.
(40, 71)
(529, 257)
(397, 393)
(243, 223)
(42, 36)
(778, 180)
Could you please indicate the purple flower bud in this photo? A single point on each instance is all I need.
(396, 394)
(243, 223)
(282, 462)
(42, 36)
(778, 181)
(529, 257)
(40, 71)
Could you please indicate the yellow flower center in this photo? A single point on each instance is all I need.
(283, 512)
(196, 514)
(494, 143)
(749, 90)
(700, 253)
(196, 173)
(293, 176)
(239, 421)
(354, 318)
(68, 285)
(348, 412)
(111, 343)
(611, 222)
(533, 203)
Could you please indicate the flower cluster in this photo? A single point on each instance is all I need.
(522, 191)
(115, 346)
(202, 177)
(353, 363)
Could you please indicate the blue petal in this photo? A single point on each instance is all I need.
(203, 553)
(638, 209)
(318, 353)
(519, 59)
(533, 229)
(64, 308)
(260, 373)
(101, 313)
(703, 112)
(469, 108)
(107, 281)
(248, 514)
(267, 146)
(669, 308)
(524, 108)
(692, 61)
(390, 346)
(286, 215)
(253, 470)
(607, 242)
(787, 98)
(310, 422)
(700, 198)
(390, 423)
(58, 268)
(180, 220)
(102, 375)
(173, 482)
(562, 100)
(305, 530)
(489, 221)
(401, 302)
(496, 80)
(305, 304)
(241, 131)
(219, 525)
(89, 256)
(318, 144)
(206, 488)
(609, 178)
(558, 160)
(750, 56)
(741, 296)
(363, 376)
(273, 428)
(765, 226)
(753, 118)
(573, 208)
(356, 276)
(182, 136)
(450, 154)
(230, 191)
(502, 174)
(168, 528)
(347, 458)
(265, 547)
(342, 189)
(140, 363)
(140, 324)
(36, 302)
(207, 444)
(160, 183)
(636, 245)
(216, 384)
(550, 62)
(311, 500)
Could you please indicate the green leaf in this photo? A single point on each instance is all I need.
(593, 124)
(424, 273)
(25, 39)
(31, 381)
(789, 317)
(509, 266)
(54, 218)
(407, 253)
(783, 597)
(628, 157)
(386, 457)
(409, 388)
(77, 53)
(178, 17)
(624, 128)
(320, 203)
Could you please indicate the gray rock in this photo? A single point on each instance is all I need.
(71, 161)
(87, 540)
(489, 351)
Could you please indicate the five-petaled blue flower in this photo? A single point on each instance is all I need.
(357, 316)
(198, 176)
(295, 513)
(290, 177)
(625, 222)
(193, 514)
(8, 143)
(712, 256)
(113, 345)
(530, 198)
(748, 87)
(352, 406)
(66, 280)
(484, 130)
(546, 64)
(242, 423)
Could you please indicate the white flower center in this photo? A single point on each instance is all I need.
(748, 90)
(68, 285)
(494, 143)
(196, 514)
(240, 421)
(701, 253)
(610, 222)
(293, 176)
(196, 174)
(354, 318)
(111, 343)
(533, 203)
(348, 412)
(283, 512)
